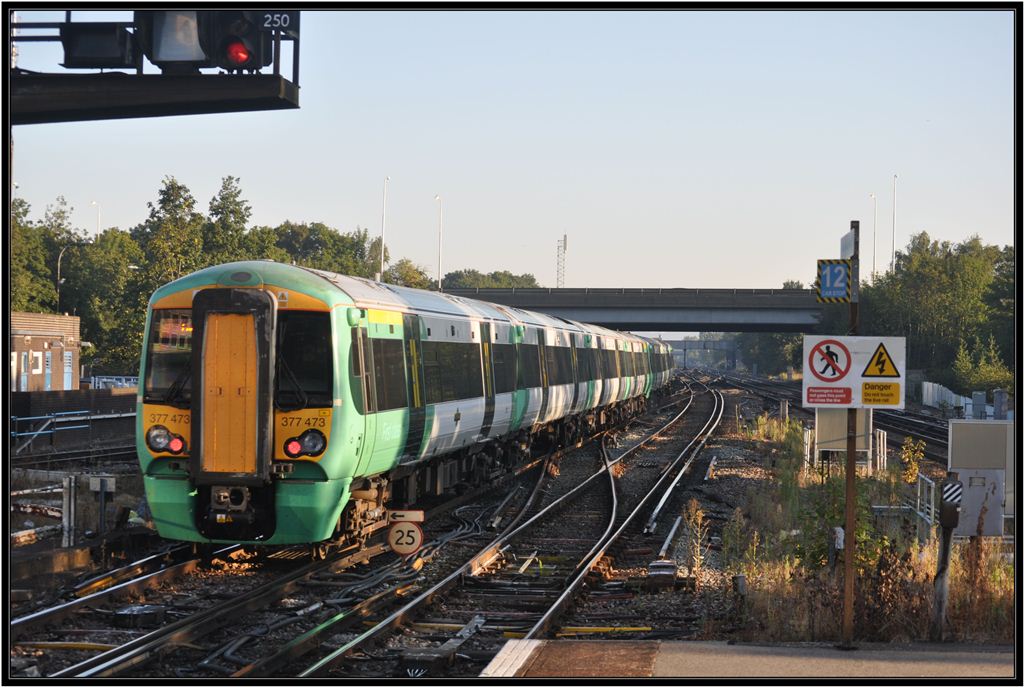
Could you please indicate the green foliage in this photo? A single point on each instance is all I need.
(32, 288)
(224, 229)
(472, 279)
(108, 282)
(939, 295)
(172, 236)
(734, 541)
(772, 353)
(407, 273)
(911, 453)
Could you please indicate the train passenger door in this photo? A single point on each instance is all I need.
(488, 370)
(544, 393)
(414, 378)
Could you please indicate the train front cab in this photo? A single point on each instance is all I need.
(237, 417)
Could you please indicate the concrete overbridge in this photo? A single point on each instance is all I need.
(679, 310)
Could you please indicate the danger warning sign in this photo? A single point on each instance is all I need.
(881, 364)
(853, 371)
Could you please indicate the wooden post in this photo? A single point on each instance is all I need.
(69, 511)
(941, 586)
(850, 543)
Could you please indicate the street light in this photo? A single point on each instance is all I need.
(874, 233)
(892, 255)
(97, 216)
(59, 257)
(440, 231)
(383, 224)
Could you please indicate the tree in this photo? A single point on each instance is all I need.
(772, 352)
(473, 279)
(172, 237)
(322, 247)
(407, 273)
(32, 288)
(1001, 300)
(260, 243)
(373, 256)
(934, 297)
(224, 230)
(111, 300)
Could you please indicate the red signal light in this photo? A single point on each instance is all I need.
(237, 53)
(293, 447)
(175, 445)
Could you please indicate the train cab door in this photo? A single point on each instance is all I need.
(366, 396)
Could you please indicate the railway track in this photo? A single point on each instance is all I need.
(275, 600)
(898, 424)
(520, 583)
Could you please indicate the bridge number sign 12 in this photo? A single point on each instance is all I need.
(854, 371)
(835, 281)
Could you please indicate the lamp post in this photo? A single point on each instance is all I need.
(892, 255)
(874, 233)
(97, 216)
(383, 224)
(60, 281)
(440, 232)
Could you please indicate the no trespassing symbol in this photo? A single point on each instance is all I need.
(827, 363)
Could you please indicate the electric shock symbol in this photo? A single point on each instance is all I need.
(880, 364)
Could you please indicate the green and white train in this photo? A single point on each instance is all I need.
(286, 405)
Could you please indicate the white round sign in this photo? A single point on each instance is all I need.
(405, 538)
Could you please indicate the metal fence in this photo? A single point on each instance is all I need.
(111, 382)
(937, 396)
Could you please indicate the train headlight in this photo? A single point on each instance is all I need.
(313, 442)
(158, 438)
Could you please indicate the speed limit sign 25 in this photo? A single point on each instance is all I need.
(405, 538)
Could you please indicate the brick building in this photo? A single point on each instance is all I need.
(45, 350)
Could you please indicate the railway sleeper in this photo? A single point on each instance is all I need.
(427, 658)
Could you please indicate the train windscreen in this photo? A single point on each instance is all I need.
(304, 376)
(169, 358)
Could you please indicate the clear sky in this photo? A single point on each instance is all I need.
(676, 149)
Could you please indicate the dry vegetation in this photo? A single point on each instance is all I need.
(780, 541)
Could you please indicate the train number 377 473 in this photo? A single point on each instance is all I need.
(303, 422)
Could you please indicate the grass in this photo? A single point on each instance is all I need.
(795, 588)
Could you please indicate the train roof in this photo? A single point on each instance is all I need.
(367, 293)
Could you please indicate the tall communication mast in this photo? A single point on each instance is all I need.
(560, 265)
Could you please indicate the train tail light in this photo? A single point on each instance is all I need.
(312, 442)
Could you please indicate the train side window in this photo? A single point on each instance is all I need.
(362, 382)
(389, 373)
(451, 371)
(529, 366)
(504, 357)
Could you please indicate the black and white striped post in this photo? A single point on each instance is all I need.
(949, 515)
